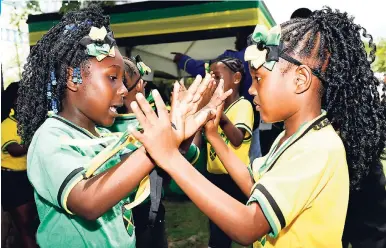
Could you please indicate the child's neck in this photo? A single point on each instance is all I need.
(80, 120)
(293, 123)
(231, 99)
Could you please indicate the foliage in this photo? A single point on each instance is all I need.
(76, 5)
(379, 64)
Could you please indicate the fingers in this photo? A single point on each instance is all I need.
(194, 87)
(203, 116)
(202, 87)
(175, 93)
(140, 116)
(139, 136)
(146, 108)
(161, 108)
(220, 88)
(224, 96)
(182, 83)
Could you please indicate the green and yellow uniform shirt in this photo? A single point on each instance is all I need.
(54, 168)
(9, 136)
(303, 188)
(240, 113)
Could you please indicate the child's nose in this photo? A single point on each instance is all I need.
(252, 91)
(122, 90)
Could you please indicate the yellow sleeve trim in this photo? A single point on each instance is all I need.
(70, 186)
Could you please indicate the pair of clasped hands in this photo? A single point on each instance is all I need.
(191, 109)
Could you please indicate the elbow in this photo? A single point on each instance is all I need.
(244, 240)
(85, 209)
(91, 216)
(247, 233)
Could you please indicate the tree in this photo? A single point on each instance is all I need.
(379, 65)
(76, 5)
(18, 18)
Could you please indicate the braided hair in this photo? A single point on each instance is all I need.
(53, 54)
(233, 64)
(349, 87)
(130, 68)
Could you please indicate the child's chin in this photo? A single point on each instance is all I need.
(108, 122)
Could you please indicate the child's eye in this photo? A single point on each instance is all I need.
(258, 78)
(113, 78)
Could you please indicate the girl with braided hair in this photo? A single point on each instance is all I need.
(81, 173)
(75, 74)
(314, 74)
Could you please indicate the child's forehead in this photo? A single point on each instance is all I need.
(220, 66)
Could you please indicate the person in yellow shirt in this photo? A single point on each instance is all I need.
(235, 129)
(17, 193)
(298, 193)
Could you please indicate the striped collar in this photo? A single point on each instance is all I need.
(275, 151)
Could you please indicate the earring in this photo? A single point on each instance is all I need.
(76, 75)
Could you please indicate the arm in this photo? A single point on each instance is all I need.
(236, 169)
(93, 197)
(195, 67)
(244, 224)
(192, 66)
(234, 134)
(16, 150)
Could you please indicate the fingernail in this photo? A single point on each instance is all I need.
(138, 95)
(134, 104)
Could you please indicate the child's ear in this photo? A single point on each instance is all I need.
(140, 87)
(303, 79)
(70, 84)
(237, 78)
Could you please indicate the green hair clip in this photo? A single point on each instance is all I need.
(99, 43)
(266, 47)
(142, 68)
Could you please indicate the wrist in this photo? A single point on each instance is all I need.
(211, 135)
(172, 160)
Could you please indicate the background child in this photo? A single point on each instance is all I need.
(17, 192)
(312, 63)
(149, 233)
(235, 129)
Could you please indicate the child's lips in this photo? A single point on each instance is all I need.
(257, 105)
(114, 111)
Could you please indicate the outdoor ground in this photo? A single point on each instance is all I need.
(186, 226)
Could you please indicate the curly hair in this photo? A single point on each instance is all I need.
(349, 87)
(55, 52)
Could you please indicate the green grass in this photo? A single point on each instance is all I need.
(186, 225)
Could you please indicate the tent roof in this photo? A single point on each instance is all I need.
(161, 22)
(154, 29)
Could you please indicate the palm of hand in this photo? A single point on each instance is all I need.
(198, 104)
